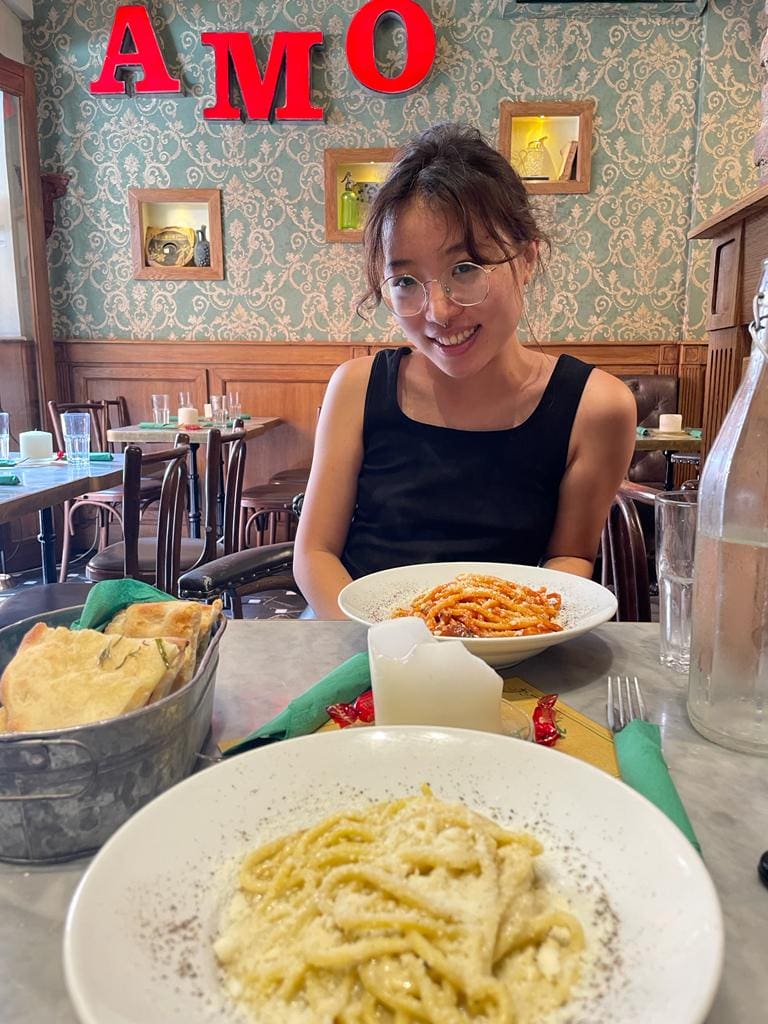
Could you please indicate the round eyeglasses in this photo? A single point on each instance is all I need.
(466, 284)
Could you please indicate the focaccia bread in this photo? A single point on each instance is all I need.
(210, 614)
(164, 619)
(60, 678)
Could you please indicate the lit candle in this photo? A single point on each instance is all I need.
(670, 423)
(418, 680)
(35, 444)
(188, 416)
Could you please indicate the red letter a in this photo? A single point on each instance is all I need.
(258, 93)
(146, 55)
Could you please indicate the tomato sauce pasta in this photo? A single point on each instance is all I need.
(485, 606)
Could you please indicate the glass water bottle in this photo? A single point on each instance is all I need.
(350, 208)
(728, 677)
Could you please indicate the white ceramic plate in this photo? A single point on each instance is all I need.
(585, 604)
(137, 943)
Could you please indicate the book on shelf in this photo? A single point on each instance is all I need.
(569, 164)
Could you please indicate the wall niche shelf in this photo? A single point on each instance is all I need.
(164, 223)
(366, 168)
(548, 143)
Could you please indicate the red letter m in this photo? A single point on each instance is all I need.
(259, 93)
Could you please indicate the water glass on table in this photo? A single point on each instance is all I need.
(161, 409)
(5, 436)
(676, 513)
(77, 438)
(234, 408)
(185, 399)
(219, 410)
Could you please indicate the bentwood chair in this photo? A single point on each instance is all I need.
(249, 571)
(625, 561)
(218, 538)
(108, 501)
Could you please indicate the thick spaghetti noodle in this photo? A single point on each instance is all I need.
(485, 606)
(411, 910)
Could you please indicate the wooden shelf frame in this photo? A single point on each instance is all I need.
(583, 109)
(139, 198)
(335, 160)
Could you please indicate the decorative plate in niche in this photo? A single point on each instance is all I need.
(170, 247)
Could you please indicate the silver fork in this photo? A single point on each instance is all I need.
(625, 702)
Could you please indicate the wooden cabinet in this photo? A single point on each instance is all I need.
(739, 235)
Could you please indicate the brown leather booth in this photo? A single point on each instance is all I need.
(655, 393)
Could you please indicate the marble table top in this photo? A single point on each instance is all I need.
(264, 664)
(133, 433)
(658, 442)
(43, 486)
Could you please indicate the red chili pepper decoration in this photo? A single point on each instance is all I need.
(342, 714)
(347, 714)
(545, 728)
(364, 707)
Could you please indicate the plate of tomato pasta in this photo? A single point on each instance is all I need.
(400, 874)
(502, 613)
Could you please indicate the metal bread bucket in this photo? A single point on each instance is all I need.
(64, 792)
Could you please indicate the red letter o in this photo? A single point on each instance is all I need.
(421, 45)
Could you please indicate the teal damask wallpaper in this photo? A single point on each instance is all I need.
(676, 112)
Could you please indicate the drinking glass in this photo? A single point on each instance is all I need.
(161, 409)
(5, 437)
(185, 400)
(219, 410)
(77, 438)
(675, 540)
(234, 408)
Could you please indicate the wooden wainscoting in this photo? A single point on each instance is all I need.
(288, 379)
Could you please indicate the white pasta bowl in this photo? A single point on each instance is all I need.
(139, 933)
(585, 604)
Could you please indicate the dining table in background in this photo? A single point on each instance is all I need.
(670, 444)
(264, 664)
(43, 487)
(135, 433)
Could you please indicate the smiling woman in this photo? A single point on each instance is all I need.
(466, 446)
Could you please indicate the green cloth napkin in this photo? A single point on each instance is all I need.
(156, 426)
(642, 432)
(109, 597)
(8, 462)
(9, 479)
(695, 432)
(97, 457)
(307, 713)
(642, 766)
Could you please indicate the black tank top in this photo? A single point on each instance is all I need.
(434, 494)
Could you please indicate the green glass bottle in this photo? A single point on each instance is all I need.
(350, 208)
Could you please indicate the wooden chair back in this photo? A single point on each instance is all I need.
(171, 510)
(625, 561)
(98, 413)
(223, 491)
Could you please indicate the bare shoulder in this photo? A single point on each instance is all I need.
(607, 402)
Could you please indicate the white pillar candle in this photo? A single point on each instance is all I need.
(670, 423)
(418, 680)
(208, 411)
(35, 444)
(188, 416)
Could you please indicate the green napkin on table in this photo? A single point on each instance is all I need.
(97, 457)
(156, 426)
(642, 766)
(9, 480)
(8, 462)
(109, 597)
(307, 713)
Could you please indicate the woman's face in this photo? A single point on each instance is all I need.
(459, 340)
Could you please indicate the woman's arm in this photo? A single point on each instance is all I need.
(602, 443)
(331, 492)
